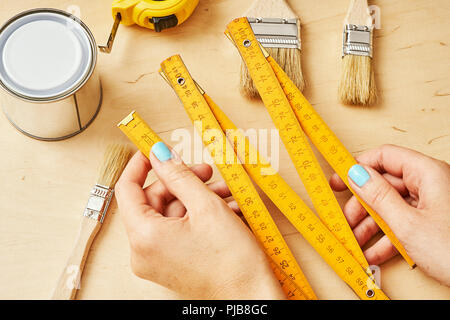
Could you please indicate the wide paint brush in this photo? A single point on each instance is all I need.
(277, 28)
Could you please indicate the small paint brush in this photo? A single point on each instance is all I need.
(357, 83)
(115, 159)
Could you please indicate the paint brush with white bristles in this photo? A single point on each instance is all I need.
(277, 28)
(115, 159)
(357, 84)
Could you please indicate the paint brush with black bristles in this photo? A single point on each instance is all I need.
(357, 83)
(115, 159)
(277, 28)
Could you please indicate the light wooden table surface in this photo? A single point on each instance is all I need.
(45, 185)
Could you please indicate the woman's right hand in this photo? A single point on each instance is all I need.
(411, 192)
(184, 236)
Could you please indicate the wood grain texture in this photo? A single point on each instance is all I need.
(270, 9)
(69, 280)
(43, 187)
(359, 13)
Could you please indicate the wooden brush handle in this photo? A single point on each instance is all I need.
(69, 281)
(270, 9)
(359, 13)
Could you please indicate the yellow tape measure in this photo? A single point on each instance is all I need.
(154, 14)
(287, 107)
(258, 217)
(151, 14)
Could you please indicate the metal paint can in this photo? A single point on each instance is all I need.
(51, 88)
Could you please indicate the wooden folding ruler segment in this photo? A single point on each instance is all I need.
(291, 112)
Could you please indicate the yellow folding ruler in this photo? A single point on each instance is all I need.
(258, 217)
(212, 123)
(291, 112)
(283, 262)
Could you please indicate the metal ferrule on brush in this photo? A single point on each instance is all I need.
(357, 40)
(276, 32)
(98, 202)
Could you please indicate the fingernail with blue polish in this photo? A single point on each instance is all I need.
(359, 175)
(161, 151)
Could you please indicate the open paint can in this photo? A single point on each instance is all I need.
(52, 90)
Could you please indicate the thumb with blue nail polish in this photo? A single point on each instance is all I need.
(377, 192)
(161, 151)
(359, 175)
(177, 177)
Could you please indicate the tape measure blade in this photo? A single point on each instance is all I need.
(293, 137)
(233, 173)
(340, 159)
(297, 212)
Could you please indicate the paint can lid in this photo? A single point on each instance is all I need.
(45, 55)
